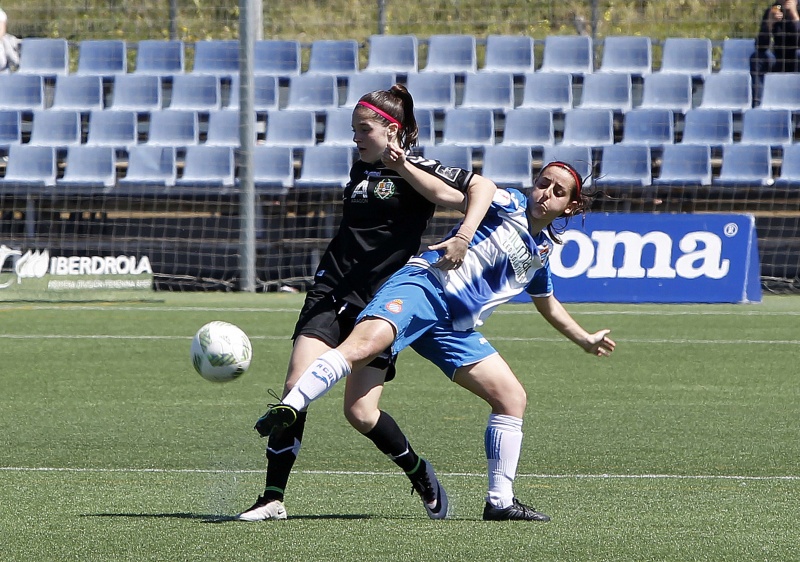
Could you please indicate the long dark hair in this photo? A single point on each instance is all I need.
(398, 104)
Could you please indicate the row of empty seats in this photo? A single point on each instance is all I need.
(390, 53)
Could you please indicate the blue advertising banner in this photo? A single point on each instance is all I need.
(681, 258)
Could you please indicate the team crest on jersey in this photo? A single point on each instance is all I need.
(544, 251)
(385, 189)
(395, 307)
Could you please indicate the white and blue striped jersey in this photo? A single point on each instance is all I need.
(503, 260)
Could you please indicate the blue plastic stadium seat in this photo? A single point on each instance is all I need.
(469, 127)
(745, 165)
(625, 165)
(530, 127)
(208, 167)
(10, 128)
(668, 91)
(589, 127)
(193, 92)
(277, 57)
(265, 93)
(580, 157)
(89, 167)
(55, 128)
(339, 127)
(291, 128)
(552, 91)
(21, 92)
(79, 93)
(316, 92)
(134, 92)
(509, 53)
(736, 55)
(450, 155)
(493, 90)
(686, 56)
(781, 91)
(216, 57)
(333, 57)
(627, 55)
(366, 82)
(713, 127)
(767, 126)
(102, 57)
(685, 165)
(730, 90)
(32, 166)
(790, 168)
(454, 54)
(433, 90)
(426, 135)
(393, 53)
(649, 127)
(157, 57)
(118, 129)
(173, 128)
(325, 167)
(568, 53)
(44, 57)
(612, 91)
(508, 166)
(273, 169)
(223, 129)
(150, 166)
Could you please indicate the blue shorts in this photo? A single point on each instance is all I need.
(413, 302)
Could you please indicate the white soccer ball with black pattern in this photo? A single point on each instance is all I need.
(221, 351)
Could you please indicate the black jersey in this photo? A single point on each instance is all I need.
(383, 219)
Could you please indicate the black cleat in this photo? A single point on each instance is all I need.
(514, 512)
(277, 418)
(434, 498)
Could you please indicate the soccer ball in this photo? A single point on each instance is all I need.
(221, 352)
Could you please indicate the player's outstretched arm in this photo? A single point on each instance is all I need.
(553, 311)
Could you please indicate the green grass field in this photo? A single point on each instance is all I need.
(682, 446)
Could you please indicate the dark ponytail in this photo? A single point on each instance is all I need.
(399, 104)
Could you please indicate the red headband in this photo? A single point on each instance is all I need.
(575, 175)
(380, 112)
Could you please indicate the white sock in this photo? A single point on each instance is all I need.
(321, 375)
(503, 442)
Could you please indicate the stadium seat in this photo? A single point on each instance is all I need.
(551, 91)
(157, 57)
(455, 54)
(316, 92)
(713, 127)
(568, 53)
(508, 166)
(730, 90)
(223, 129)
(33, 166)
(273, 169)
(625, 165)
(790, 169)
(686, 56)
(426, 135)
(102, 57)
(150, 166)
(433, 90)
(20, 92)
(216, 57)
(78, 93)
(468, 127)
(325, 167)
(366, 82)
(736, 55)
(393, 53)
(10, 128)
(781, 91)
(333, 57)
(339, 127)
(196, 92)
(113, 128)
(612, 91)
(627, 55)
(55, 128)
(89, 167)
(668, 91)
(140, 93)
(171, 127)
(767, 126)
(589, 127)
(649, 127)
(450, 155)
(277, 57)
(530, 127)
(44, 57)
(294, 128)
(493, 90)
(580, 157)
(265, 93)
(208, 166)
(509, 53)
(685, 165)
(745, 165)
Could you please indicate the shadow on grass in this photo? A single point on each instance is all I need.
(208, 518)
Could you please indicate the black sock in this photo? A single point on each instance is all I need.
(282, 450)
(389, 439)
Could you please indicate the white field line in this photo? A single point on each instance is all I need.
(791, 478)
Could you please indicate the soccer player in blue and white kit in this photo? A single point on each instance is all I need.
(436, 312)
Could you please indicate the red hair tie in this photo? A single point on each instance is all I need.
(380, 112)
(575, 175)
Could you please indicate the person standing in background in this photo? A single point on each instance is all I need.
(9, 46)
(777, 45)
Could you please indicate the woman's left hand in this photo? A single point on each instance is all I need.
(455, 249)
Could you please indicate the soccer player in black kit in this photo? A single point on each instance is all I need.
(387, 204)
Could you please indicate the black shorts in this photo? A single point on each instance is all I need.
(332, 321)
